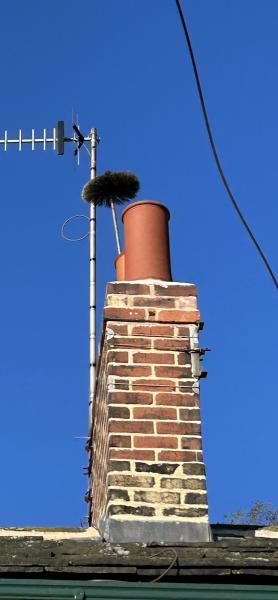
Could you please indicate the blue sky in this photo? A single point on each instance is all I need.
(124, 68)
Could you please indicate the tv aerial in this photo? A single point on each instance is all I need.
(57, 139)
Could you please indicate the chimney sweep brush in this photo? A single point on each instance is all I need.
(110, 189)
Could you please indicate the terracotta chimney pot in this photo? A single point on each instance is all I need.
(146, 235)
(120, 267)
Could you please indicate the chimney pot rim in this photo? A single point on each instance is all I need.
(162, 282)
(140, 202)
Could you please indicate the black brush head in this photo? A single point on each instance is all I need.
(118, 187)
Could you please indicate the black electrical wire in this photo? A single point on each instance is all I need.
(214, 151)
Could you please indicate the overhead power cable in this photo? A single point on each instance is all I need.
(214, 151)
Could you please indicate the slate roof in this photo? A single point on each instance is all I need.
(236, 555)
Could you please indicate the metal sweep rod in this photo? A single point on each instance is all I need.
(116, 227)
(92, 292)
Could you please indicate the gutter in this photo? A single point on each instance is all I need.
(20, 589)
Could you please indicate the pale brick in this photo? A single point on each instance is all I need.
(157, 497)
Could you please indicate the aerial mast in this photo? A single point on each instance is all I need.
(92, 290)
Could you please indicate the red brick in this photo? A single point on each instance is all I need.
(154, 385)
(191, 443)
(126, 314)
(172, 399)
(154, 302)
(143, 330)
(172, 344)
(177, 456)
(184, 358)
(178, 316)
(129, 370)
(153, 441)
(118, 412)
(178, 428)
(154, 413)
(175, 290)
(183, 331)
(190, 414)
(153, 330)
(120, 441)
(116, 356)
(154, 358)
(176, 372)
(128, 288)
(131, 427)
(129, 342)
(186, 302)
(151, 314)
(118, 328)
(132, 454)
(129, 398)
(185, 386)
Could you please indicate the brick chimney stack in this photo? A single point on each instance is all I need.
(146, 464)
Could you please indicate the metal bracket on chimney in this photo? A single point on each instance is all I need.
(199, 351)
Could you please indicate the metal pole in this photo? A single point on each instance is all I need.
(115, 222)
(92, 311)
